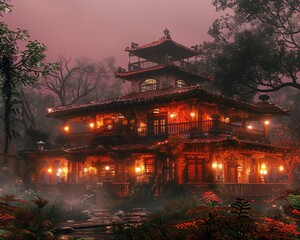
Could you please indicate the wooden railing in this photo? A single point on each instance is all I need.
(79, 139)
(251, 189)
(236, 130)
(160, 62)
(237, 189)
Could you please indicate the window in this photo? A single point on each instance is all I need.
(195, 168)
(149, 164)
(149, 85)
(181, 83)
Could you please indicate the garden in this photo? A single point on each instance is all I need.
(27, 214)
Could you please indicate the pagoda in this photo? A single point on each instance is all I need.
(167, 130)
(168, 62)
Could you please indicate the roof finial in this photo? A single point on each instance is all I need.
(167, 33)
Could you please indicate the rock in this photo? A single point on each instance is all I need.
(64, 230)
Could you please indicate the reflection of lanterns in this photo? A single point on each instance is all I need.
(66, 128)
(92, 125)
(49, 170)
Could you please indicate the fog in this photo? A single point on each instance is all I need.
(101, 28)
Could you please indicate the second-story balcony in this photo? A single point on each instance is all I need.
(187, 66)
(116, 134)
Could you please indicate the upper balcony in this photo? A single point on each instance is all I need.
(117, 134)
(187, 66)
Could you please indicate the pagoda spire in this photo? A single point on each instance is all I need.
(167, 33)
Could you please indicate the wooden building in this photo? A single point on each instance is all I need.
(168, 129)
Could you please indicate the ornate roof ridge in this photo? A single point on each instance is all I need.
(166, 38)
(151, 96)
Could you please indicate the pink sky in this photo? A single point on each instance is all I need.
(101, 28)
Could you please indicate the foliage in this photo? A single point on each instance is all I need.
(19, 220)
(286, 130)
(255, 46)
(211, 199)
(5, 7)
(18, 68)
(237, 221)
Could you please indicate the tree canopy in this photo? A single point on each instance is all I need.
(19, 66)
(255, 47)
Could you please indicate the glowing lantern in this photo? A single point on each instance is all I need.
(267, 122)
(220, 165)
(172, 115)
(281, 168)
(138, 170)
(193, 114)
(214, 165)
(66, 128)
(107, 168)
(263, 166)
(85, 169)
(249, 127)
(49, 170)
(92, 125)
(227, 120)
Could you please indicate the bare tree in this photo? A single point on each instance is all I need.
(75, 84)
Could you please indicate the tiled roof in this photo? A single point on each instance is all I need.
(125, 74)
(243, 144)
(142, 50)
(128, 75)
(101, 149)
(152, 44)
(162, 96)
(206, 140)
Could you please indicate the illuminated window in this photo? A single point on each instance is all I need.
(149, 165)
(149, 85)
(181, 83)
